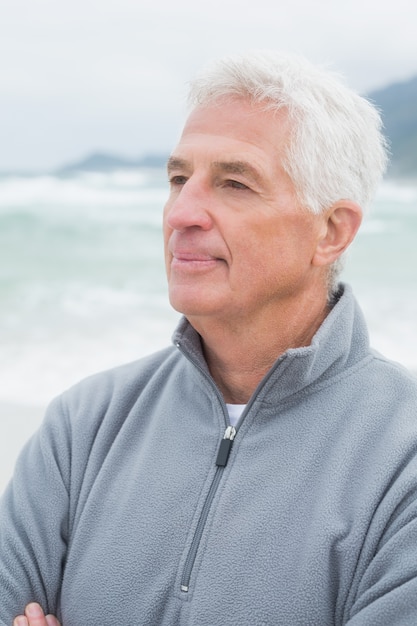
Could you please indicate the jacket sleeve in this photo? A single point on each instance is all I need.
(34, 520)
(385, 590)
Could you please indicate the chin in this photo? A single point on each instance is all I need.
(189, 310)
(192, 307)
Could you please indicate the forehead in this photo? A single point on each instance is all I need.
(236, 129)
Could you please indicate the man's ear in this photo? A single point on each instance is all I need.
(341, 223)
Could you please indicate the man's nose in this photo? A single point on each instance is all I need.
(189, 208)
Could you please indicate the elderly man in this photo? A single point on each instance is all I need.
(263, 470)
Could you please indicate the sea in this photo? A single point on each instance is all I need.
(82, 283)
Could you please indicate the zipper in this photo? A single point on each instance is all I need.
(221, 462)
(225, 446)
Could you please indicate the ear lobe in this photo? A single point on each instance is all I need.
(342, 222)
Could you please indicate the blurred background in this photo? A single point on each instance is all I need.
(92, 99)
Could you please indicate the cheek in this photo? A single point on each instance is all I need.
(167, 255)
(164, 217)
(256, 255)
(275, 248)
(166, 230)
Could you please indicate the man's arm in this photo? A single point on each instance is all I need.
(385, 588)
(34, 616)
(34, 521)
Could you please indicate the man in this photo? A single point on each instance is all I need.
(263, 470)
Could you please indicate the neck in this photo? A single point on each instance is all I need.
(239, 353)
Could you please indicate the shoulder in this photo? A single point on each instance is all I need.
(113, 391)
(88, 416)
(123, 376)
(391, 378)
(383, 406)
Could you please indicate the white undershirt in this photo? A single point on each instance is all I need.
(235, 411)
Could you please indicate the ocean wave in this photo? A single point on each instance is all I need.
(119, 189)
(399, 192)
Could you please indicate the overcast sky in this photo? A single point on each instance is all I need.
(84, 75)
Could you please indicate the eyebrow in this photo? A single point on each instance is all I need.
(176, 163)
(228, 167)
(238, 167)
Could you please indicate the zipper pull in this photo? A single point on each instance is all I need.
(225, 446)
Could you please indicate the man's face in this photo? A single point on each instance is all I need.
(237, 242)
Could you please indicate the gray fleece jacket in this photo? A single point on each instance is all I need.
(119, 514)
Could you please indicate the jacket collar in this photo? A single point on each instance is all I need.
(340, 342)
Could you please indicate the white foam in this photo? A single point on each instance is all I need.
(398, 192)
(34, 371)
(95, 189)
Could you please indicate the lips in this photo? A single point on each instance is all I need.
(192, 261)
(193, 257)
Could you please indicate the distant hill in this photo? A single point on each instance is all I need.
(105, 162)
(398, 105)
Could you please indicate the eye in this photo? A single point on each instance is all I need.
(236, 184)
(178, 180)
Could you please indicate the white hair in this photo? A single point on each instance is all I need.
(336, 149)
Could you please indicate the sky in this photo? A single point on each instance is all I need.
(78, 76)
